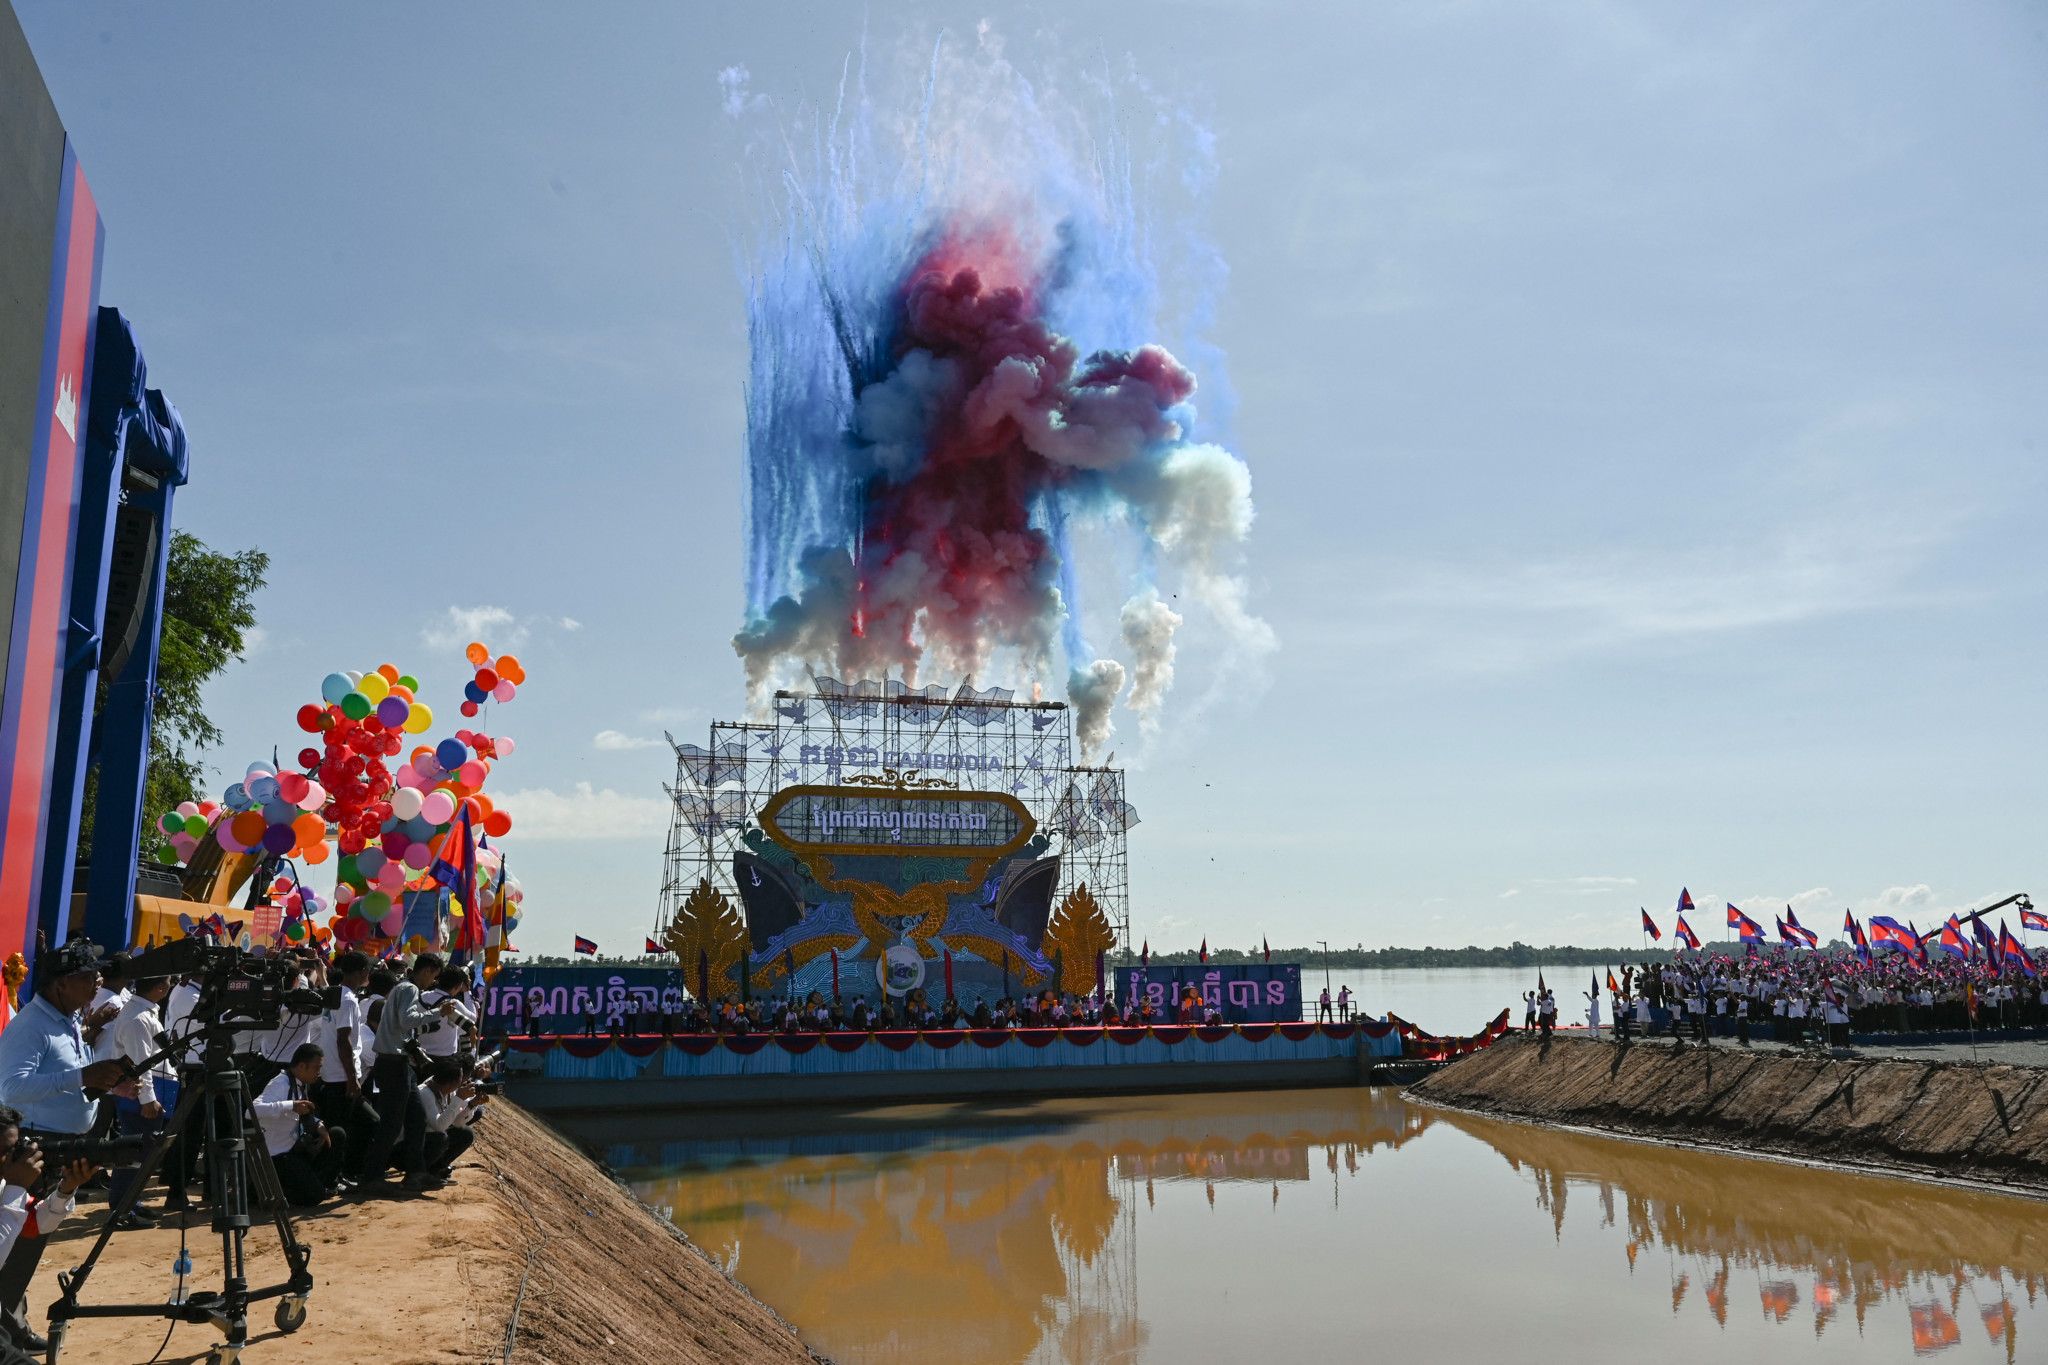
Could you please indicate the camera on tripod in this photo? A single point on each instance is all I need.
(237, 989)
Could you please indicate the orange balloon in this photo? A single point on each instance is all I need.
(316, 853)
(477, 655)
(497, 824)
(476, 812)
(485, 804)
(248, 827)
(402, 692)
(390, 672)
(508, 664)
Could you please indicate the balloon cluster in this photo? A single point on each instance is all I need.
(275, 812)
(391, 829)
(184, 827)
(497, 681)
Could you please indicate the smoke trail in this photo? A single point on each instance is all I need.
(953, 356)
(1148, 625)
(1091, 691)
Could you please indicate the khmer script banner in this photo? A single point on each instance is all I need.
(1251, 993)
(565, 999)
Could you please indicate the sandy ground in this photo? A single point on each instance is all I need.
(433, 1278)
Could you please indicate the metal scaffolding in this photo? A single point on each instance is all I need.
(985, 740)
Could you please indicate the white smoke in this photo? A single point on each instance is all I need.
(1148, 625)
(1091, 691)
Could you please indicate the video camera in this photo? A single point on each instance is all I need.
(237, 989)
(59, 1152)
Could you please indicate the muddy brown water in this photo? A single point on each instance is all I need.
(1324, 1225)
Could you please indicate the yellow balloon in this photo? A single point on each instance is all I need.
(375, 687)
(420, 720)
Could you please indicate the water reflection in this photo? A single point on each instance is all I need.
(1226, 1226)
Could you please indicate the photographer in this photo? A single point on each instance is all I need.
(306, 1152)
(21, 1213)
(454, 1036)
(346, 1039)
(134, 1039)
(398, 1024)
(448, 1103)
(47, 1072)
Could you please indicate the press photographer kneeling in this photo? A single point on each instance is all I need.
(22, 1214)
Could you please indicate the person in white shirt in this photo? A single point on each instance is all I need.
(449, 1037)
(21, 1213)
(132, 1038)
(106, 1006)
(446, 1102)
(345, 1039)
(305, 1151)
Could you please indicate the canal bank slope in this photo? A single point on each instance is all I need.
(532, 1245)
(1945, 1120)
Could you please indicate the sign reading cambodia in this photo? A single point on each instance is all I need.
(903, 822)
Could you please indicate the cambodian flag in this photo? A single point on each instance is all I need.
(1746, 929)
(1888, 932)
(655, 948)
(1685, 935)
(1650, 926)
(1949, 938)
(1855, 932)
(585, 946)
(1806, 935)
(2031, 919)
(2015, 952)
(1685, 902)
(1988, 941)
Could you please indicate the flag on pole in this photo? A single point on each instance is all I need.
(1856, 936)
(1613, 986)
(1806, 935)
(1203, 956)
(1685, 935)
(1988, 941)
(1145, 954)
(585, 946)
(653, 947)
(1266, 949)
(2013, 951)
(1684, 900)
(1949, 938)
(2031, 919)
(1650, 926)
(1746, 929)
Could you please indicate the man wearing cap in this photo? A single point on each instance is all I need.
(47, 1072)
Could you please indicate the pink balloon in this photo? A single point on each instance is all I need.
(473, 774)
(393, 922)
(505, 746)
(505, 690)
(409, 776)
(438, 808)
(392, 878)
(417, 856)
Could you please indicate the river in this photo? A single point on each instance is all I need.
(1324, 1225)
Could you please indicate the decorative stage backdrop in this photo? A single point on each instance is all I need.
(1258, 993)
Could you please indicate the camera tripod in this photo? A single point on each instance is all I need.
(233, 1170)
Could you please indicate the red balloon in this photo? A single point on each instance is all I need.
(309, 718)
(497, 824)
(309, 758)
(469, 708)
(486, 679)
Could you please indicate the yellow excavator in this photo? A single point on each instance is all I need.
(209, 883)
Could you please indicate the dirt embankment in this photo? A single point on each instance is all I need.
(1949, 1120)
(433, 1279)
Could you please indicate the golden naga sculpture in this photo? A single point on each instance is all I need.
(1078, 931)
(706, 925)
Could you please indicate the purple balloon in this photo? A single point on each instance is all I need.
(279, 839)
(393, 711)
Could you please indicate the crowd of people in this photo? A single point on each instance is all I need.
(1817, 997)
(378, 1093)
(815, 1013)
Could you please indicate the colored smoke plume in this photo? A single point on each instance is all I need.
(953, 361)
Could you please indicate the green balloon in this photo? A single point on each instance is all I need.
(171, 823)
(195, 825)
(167, 856)
(355, 706)
(408, 680)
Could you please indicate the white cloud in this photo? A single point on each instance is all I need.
(571, 623)
(615, 741)
(495, 626)
(585, 814)
(253, 641)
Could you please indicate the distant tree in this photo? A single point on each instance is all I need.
(209, 609)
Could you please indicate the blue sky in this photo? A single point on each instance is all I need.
(1644, 405)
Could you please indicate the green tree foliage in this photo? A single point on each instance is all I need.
(209, 609)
